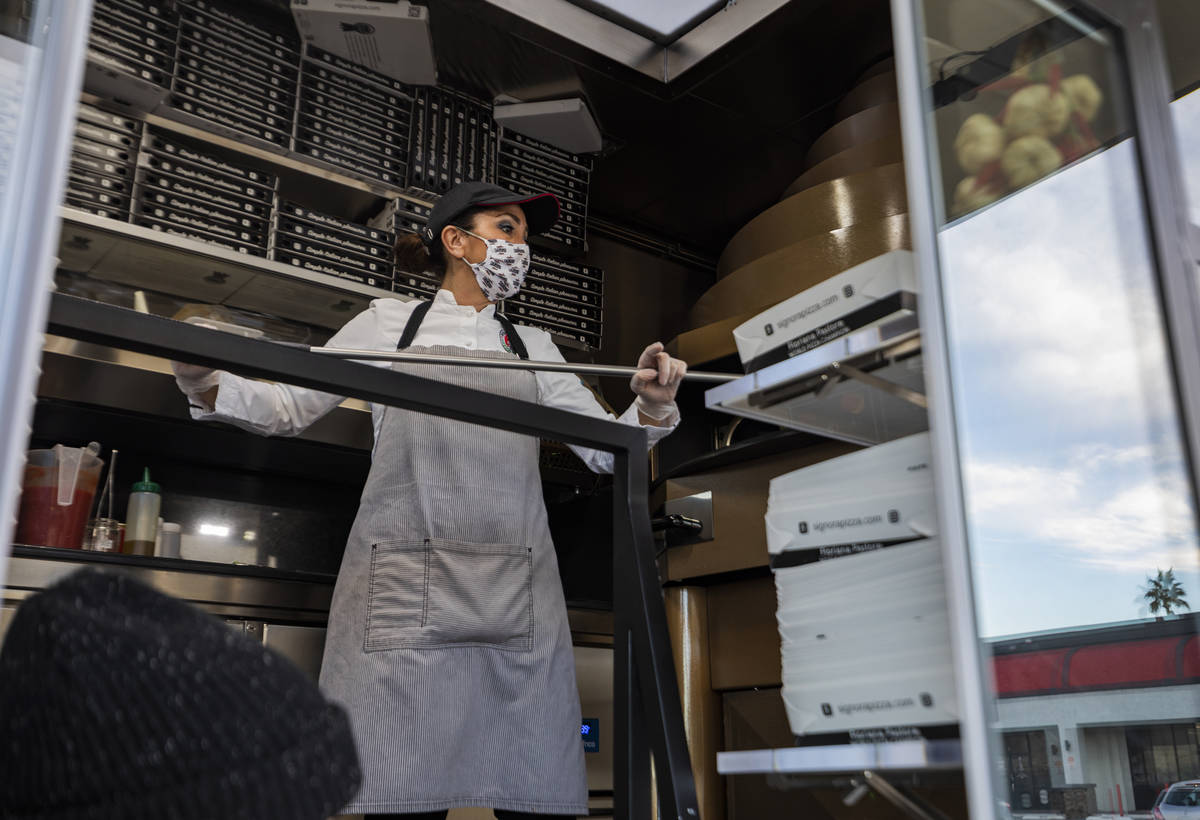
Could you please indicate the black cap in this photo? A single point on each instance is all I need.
(118, 702)
(541, 210)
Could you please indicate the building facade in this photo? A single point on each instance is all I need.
(1113, 707)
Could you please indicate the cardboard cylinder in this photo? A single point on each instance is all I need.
(851, 161)
(869, 93)
(869, 195)
(865, 126)
(791, 269)
(707, 343)
(885, 65)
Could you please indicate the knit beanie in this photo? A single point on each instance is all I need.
(120, 703)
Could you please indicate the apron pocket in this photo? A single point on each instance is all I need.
(479, 595)
(396, 593)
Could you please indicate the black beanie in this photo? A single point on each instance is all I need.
(120, 703)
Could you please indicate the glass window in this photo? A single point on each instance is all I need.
(1187, 750)
(1075, 484)
(1074, 467)
(1182, 796)
(1165, 761)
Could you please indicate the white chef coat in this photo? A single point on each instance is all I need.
(280, 409)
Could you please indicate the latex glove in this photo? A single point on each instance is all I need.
(657, 381)
(194, 379)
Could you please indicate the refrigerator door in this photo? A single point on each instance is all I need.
(302, 645)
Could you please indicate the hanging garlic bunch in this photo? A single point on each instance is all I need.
(1028, 159)
(1045, 123)
(1036, 110)
(1084, 95)
(980, 140)
(973, 193)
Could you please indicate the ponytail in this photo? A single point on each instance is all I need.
(414, 256)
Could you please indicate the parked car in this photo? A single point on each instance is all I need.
(1179, 800)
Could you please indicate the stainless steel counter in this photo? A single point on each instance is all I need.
(230, 591)
(227, 590)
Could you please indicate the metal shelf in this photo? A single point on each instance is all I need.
(866, 387)
(224, 589)
(855, 758)
(287, 299)
(767, 444)
(230, 140)
(144, 258)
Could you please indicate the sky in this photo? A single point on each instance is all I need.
(1073, 468)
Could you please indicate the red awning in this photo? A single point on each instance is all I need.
(1125, 664)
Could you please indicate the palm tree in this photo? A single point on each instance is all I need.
(1165, 593)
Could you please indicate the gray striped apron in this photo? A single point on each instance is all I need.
(448, 640)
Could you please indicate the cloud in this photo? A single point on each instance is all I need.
(1053, 304)
(1125, 510)
(1067, 421)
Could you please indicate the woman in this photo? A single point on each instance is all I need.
(448, 640)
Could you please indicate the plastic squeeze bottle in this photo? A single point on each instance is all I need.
(141, 518)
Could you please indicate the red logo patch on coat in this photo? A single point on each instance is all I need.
(504, 341)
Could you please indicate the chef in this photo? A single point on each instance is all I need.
(448, 640)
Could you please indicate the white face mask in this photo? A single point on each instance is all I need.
(502, 271)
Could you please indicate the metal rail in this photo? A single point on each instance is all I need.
(504, 364)
(647, 709)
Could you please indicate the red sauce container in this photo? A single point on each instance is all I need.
(56, 496)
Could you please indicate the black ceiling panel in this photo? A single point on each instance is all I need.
(695, 160)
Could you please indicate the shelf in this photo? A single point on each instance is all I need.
(284, 292)
(226, 589)
(228, 139)
(80, 556)
(233, 590)
(903, 756)
(866, 387)
(144, 258)
(757, 447)
(152, 260)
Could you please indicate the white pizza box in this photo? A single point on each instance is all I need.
(894, 462)
(804, 669)
(391, 38)
(893, 517)
(863, 296)
(912, 562)
(922, 696)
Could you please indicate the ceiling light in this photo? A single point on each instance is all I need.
(567, 124)
(667, 18)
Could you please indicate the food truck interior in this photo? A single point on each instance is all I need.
(744, 156)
